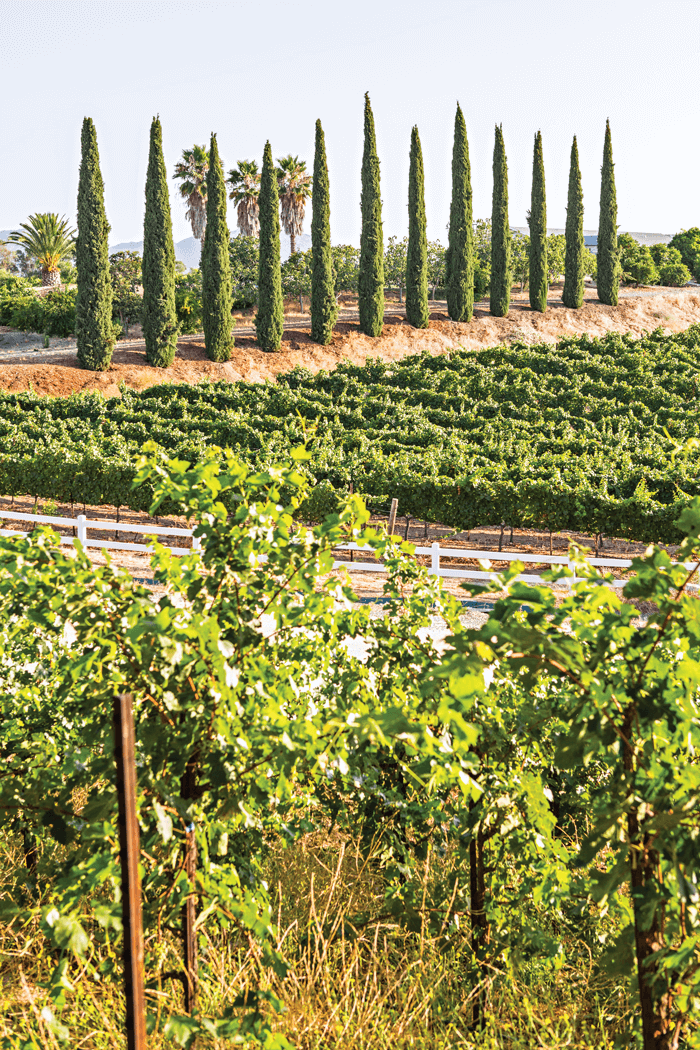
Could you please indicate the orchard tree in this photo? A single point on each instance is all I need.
(436, 265)
(636, 261)
(520, 249)
(688, 244)
(296, 277)
(346, 267)
(125, 272)
(395, 256)
(673, 272)
(244, 259)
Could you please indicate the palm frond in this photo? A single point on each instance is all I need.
(47, 238)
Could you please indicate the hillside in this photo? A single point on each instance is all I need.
(637, 312)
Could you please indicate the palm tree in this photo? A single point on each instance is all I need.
(245, 188)
(46, 238)
(294, 189)
(192, 172)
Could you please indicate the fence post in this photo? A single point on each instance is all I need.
(82, 528)
(392, 515)
(188, 790)
(435, 559)
(129, 849)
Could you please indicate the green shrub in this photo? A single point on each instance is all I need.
(188, 301)
(637, 261)
(52, 314)
(674, 275)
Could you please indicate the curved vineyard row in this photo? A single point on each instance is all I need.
(590, 435)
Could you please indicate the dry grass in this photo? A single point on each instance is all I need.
(356, 978)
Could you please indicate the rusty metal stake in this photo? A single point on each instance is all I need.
(188, 790)
(129, 850)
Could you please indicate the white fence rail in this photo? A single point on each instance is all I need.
(435, 552)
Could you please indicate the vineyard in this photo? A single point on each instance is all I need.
(592, 435)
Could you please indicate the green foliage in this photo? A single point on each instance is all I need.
(296, 275)
(188, 301)
(126, 276)
(520, 257)
(48, 240)
(217, 302)
(636, 261)
(687, 242)
(269, 320)
(608, 253)
(501, 248)
(417, 313)
(548, 758)
(459, 262)
(346, 267)
(371, 276)
(324, 306)
(574, 271)
(244, 258)
(192, 172)
(395, 259)
(668, 261)
(51, 314)
(93, 307)
(538, 272)
(160, 328)
(581, 436)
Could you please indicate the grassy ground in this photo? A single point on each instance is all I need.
(365, 983)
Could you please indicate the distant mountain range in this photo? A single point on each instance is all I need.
(188, 251)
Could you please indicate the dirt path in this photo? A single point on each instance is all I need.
(636, 312)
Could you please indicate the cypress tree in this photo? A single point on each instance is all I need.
(160, 328)
(608, 278)
(572, 295)
(460, 243)
(537, 219)
(217, 298)
(417, 313)
(371, 276)
(269, 320)
(501, 252)
(93, 304)
(324, 306)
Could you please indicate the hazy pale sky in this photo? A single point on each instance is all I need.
(267, 69)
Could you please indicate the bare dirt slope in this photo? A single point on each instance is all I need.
(637, 312)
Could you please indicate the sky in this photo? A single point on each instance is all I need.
(267, 69)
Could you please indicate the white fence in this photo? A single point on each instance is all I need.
(435, 552)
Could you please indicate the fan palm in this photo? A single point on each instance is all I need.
(245, 189)
(48, 239)
(192, 173)
(294, 189)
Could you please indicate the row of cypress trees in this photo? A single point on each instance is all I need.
(94, 331)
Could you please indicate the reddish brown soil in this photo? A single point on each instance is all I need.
(674, 310)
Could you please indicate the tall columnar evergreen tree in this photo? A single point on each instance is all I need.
(572, 295)
(217, 298)
(417, 313)
(269, 320)
(371, 276)
(539, 274)
(501, 249)
(324, 306)
(608, 278)
(459, 261)
(160, 329)
(93, 304)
